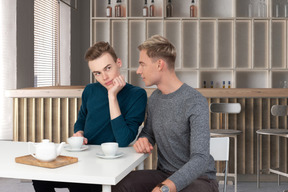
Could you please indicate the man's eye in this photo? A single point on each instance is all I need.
(108, 68)
(96, 74)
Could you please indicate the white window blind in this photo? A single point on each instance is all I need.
(46, 41)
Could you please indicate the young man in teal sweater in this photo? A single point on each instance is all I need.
(111, 111)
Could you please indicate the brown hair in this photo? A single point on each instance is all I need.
(159, 47)
(98, 49)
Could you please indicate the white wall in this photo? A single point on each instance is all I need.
(65, 44)
(7, 65)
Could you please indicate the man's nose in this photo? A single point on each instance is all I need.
(138, 70)
(104, 75)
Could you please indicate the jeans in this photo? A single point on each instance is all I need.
(49, 186)
(146, 180)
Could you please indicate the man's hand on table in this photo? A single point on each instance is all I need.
(142, 145)
(81, 134)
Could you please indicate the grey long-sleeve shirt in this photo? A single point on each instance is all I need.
(179, 124)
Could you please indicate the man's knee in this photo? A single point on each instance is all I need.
(125, 184)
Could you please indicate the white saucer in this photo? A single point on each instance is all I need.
(68, 148)
(101, 155)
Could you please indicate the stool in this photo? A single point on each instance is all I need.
(227, 108)
(276, 110)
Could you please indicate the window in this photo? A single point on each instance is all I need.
(46, 42)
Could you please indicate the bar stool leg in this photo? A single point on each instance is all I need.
(235, 154)
(279, 160)
(258, 160)
(225, 178)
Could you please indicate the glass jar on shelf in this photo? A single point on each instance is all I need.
(285, 84)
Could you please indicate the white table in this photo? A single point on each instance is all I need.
(89, 168)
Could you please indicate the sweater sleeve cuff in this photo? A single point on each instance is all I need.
(118, 122)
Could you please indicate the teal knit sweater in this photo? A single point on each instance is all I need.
(94, 115)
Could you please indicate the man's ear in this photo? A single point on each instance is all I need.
(161, 64)
(119, 62)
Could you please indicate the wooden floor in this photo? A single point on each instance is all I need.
(13, 185)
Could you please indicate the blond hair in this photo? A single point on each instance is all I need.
(158, 47)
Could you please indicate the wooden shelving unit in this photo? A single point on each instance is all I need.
(221, 44)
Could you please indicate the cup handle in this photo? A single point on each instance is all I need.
(29, 148)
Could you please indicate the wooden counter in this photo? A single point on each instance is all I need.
(76, 91)
(51, 112)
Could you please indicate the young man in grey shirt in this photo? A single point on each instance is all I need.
(178, 122)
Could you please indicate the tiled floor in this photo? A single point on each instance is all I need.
(14, 185)
(251, 187)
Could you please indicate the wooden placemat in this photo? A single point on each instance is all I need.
(58, 162)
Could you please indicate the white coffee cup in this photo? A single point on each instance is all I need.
(75, 142)
(110, 148)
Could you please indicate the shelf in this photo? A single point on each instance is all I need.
(189, 77)
(216, 8)
(136, 8)
(217, 77)
(222, 44)
(205, 8)
(252, 79)
(278, 77)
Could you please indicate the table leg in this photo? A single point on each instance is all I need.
(106, 188)
(258, 160)
(141, 166)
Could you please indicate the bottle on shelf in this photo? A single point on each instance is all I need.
(223, 86)
(145, 9)
(211, 84)
(286, 9)
(263, 8)
(204, 84)
(152, 9)
(229, 84)
(277, 10)
(193, 9)
(259, 8)
(109, 9)
(118, 8)
(169, 9)
(250, 9)
(255, 8)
